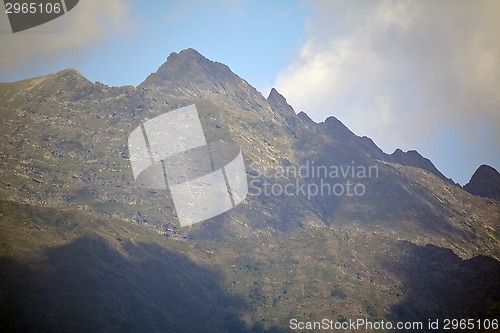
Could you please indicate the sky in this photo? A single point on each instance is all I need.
(422, 75)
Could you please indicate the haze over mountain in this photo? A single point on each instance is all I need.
(78, 231)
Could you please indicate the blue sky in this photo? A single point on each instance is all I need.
(410, 75)
(243, 36)
(256, 39)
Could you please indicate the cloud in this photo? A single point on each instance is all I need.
(91, 22)
(403, 72)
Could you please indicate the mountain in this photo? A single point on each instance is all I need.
(359, 234)
(485, 182)
(413, 158)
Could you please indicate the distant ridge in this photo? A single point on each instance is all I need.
(485, 182)
(413, 158)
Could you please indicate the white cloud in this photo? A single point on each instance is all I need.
(402, 72)
(89, 23)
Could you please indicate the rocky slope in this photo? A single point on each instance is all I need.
(66, 186)
(485, 182)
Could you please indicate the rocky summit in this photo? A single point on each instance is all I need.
(485, 182)
(332, 226)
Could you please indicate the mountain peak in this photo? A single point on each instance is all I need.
(69, 72)
(188, 68)
(280, 106)
(413, 158)
(305, 117)
(333, 123)
(188, 74)
(337, 130)
(192, 54)
(278, 100)
(189, 55)
(485, 182)
(65, 80)
(275, 93)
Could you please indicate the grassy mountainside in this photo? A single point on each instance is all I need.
(68, 270)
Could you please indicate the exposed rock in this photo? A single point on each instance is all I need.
(485, 182)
